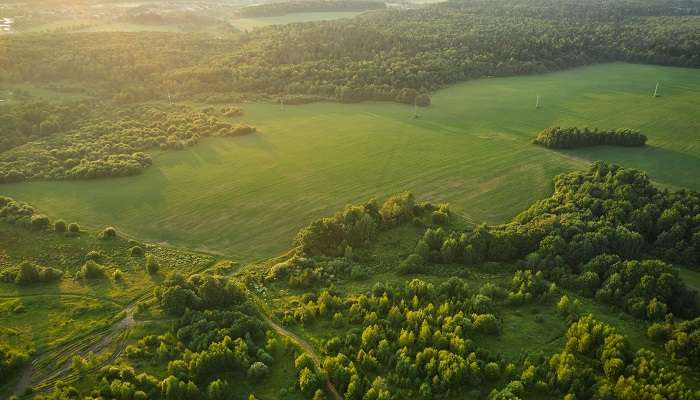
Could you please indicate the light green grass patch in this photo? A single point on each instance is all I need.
(248, 196)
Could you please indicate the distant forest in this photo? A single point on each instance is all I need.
(390, 55)
(275, 9)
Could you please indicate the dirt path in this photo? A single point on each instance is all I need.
(306, 346)
(55, 364)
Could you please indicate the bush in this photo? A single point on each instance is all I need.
(136, 251)
(257, 370)
(60, 226)
(93, 255)
(118, 276)
(40, 222)
(152, 265)
(108, 233)
(74, 228)
(91, 270)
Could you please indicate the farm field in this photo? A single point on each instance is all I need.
(246, 24)
(246, 197)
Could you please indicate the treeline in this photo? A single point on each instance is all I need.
(385, 55)
(305, 6)
(598, 234)
(357, 225)
(104, 141)
(573, 137)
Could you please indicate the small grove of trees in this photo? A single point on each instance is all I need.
(27, 273)
(113, 143)
(572, 137)
(682, 339)
(357, 225)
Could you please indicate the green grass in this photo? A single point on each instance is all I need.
(246, 24)
(248, 196)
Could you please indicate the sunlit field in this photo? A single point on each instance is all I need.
(246, 197)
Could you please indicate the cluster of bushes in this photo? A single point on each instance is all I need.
(357, 225)
(569, 138)
(682, 339)
(198, 292)
(112, 143)
(19, 213)
(23, 122)
(27, 273)
(590, 236)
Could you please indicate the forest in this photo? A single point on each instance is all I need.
(381, 55)
(283, 8)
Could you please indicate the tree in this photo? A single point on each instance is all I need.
(60, 226)
(152, 265)
(257, 371)
(40, 222)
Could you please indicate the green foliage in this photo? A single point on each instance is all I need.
(27, 273)
(91, 270)
(111, 143)
(567, 138)
(152, 265)
(355, 59)
(74, 228)
(283, 8)
(136, 251)
(60, 226)
(108, 233)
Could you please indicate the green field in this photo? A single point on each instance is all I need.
(246, 24)
(247, 196)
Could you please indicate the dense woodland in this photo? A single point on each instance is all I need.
(569, 138)
(284, 8)
(384, 55)
(90, 140)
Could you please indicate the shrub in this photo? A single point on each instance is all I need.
(74, 228)
(60, 226)
(118, 276)
(93, 255)
(108, 233)
(440, 217)
(136, 251)
(257, 370)
(152, 265)
(91, 270)
(40, 222)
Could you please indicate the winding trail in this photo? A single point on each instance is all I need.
(306, 346)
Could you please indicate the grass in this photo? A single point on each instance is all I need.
(246, 197)
(247, 24)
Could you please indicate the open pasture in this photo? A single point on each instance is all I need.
(247, 196)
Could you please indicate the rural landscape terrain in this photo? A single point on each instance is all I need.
(350, 199)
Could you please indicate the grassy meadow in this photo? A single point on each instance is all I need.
(246, 197)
